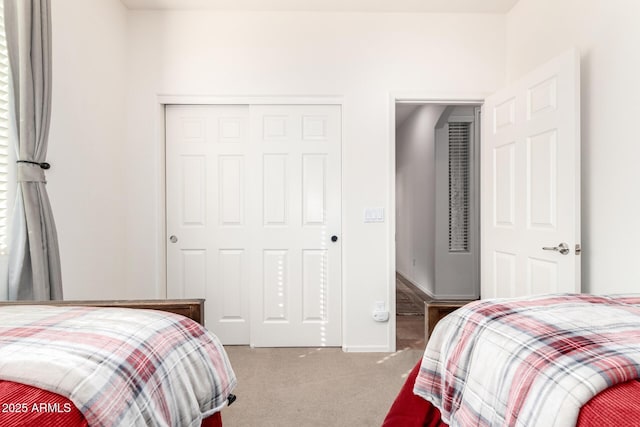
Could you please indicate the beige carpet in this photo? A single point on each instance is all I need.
(314, 387)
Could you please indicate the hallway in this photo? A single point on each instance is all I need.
(410, 319)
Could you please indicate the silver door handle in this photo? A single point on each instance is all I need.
(563, 248)
(173, 239)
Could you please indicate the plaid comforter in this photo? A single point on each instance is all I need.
(118, 366)
(529, 361)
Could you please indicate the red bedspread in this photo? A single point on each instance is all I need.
(22, 405)
(409, 410)
(615, 406)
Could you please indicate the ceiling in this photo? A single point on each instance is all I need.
(411, 6)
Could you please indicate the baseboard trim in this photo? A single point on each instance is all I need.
(467, 298)
(366, 349)
(430, 295)
(417, 287)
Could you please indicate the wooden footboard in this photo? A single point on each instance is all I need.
(437, 310)
(191, 308)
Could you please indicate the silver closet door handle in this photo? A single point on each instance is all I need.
(563, 248)
(173, 239)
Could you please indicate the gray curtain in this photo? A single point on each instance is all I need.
(34, 258)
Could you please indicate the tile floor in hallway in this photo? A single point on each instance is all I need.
(410, 326)
(410, 332)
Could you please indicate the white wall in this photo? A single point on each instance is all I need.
(105, 184)
(415, 197)
(362, 57)
(607, 34)
(87, 145)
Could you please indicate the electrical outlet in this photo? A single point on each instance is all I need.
(380, 316)
(379, 312)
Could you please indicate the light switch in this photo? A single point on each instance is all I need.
(374, 215)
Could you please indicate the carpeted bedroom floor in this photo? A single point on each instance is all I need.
(307, 387)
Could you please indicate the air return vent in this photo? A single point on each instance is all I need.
(459, 164)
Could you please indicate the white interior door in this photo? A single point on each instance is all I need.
(296, 300)
(208, 253)
(253, 199)
(531, 183)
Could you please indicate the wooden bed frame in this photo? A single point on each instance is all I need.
(191, 308)
(436, 311)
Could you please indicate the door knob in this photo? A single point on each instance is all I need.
(173, 239)
(563, 248)
(334, 238)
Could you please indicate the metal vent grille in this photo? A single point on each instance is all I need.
(459, 165)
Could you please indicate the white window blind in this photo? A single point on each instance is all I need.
(4, 135)
(459, 174)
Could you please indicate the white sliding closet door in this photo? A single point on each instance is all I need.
(208, 156)
(253, 199)
(296, 293)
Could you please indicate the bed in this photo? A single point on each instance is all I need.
(548, 360)
(106, 363)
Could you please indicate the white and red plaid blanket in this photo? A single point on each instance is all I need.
(529, 361)
(120, 367)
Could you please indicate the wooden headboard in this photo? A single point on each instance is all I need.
(191, 308)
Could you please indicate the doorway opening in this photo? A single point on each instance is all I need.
(437, 215)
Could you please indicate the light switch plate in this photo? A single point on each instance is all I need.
(374, 215)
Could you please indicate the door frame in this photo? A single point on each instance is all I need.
(413, 98)
(161, 213)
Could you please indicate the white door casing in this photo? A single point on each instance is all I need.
(530, 166)
(253, 198)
